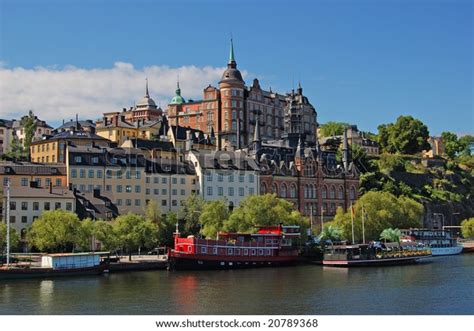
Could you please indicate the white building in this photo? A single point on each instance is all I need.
(225, 174)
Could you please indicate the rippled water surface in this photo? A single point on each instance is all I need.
(444, 286)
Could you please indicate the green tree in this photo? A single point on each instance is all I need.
(167, 230)
(104, 232)
(332, 129)
(406, 136)
(331, 233)
(29, 126)
(85, 234)
(55, 230)
(268, 209)
(134, 231)
(452, 146)
(16, 152)
(466, 141)
(213, 217)
(391, 235)
(14, 238)
(153, 212)
(467, 228)
(190, 212)
(381, 210)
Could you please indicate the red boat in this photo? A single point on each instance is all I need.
(270, 246)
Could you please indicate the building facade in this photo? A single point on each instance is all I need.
(6, 136)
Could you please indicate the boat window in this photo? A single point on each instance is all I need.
(260, 252)
(204, 250)
(230, 251)
(237, 251)
(246, 252)
(268, 252)
(190, 248)
(214, 250)
(254, 251)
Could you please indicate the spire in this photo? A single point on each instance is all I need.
(146, 91)
(300, 89)
(345, 150)
(231, 54)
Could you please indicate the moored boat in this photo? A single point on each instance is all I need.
(366, 255)
(58, 265)
(440, 241)
(270, 246)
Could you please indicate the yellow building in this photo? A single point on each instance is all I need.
(53, 150)
(119, 130)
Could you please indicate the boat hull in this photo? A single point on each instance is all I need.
(442, 251)
(196, 262)
(376, 262)
(21, 273)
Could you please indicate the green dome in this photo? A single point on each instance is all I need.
(177, 99)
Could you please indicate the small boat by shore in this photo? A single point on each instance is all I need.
(270, 246)
(58, 265)
(365, 255)
(440, 241)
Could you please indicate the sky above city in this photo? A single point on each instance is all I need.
(360, 62)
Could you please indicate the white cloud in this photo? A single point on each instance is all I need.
(55, 93)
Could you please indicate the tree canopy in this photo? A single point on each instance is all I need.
(214, 216)
(467, 228)
(332, 129)
(190, 212)
(381, 210)
(391, 235)
(134, 231)
(14, 238)
(406, 136)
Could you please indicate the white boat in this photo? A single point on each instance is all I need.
(440, 241)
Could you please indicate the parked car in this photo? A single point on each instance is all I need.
(158, 251)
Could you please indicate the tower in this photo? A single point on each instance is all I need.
(232, 115)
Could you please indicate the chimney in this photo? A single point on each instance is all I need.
(116, 120)
(50, 187)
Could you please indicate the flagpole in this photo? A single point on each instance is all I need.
(363, 225)
(311, 219)
(322, 219)
(8, 223)
(352, 223)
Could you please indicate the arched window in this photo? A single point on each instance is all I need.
(283, 190)
(293, 191)
(332, 193)
(263, 188)
(352, 193)
(340, 193)
(305, 191)
(324, 192)
(275, 188)
(315, 192)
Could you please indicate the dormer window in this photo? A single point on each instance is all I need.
(78, 159)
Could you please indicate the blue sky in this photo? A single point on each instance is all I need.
(363, 62)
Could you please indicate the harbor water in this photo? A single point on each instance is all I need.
(444, 286)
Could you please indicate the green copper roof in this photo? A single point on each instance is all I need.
(177, 99)
(231, 55)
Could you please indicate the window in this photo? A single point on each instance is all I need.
(137, 188)
(82, 188)
(12, 219)
(119, 188)
(138, 174)
(99, 173)
(174, 203)
(293, 191)
(35, 205)
(209, 177)
(82, 173)
(5, 181)
(78, 159)
(119, 202)
(246, 251)
(324, 192)
(340, 193)
(209, 190)
(231, 178)
(127, 175)
(91, 173)
(254, 252)
(163, 191)
(241, 178)
(231, 191)
(251, 178)
(74, 173)
(174, 192)
(283, 190)
(47, 206)
(156, 191)
(241, 191)
(59, 182)
(137, 202)
(275, 188)
(164, 180)
(95, 160)
(163, 202)
(57, 205)
(24, 219)
(69, 206)
(128, 188)
(128, 202)
(183, 192)
(24, 182)
(230, 251)
(220, 191)
(24, 205)
(90, 188)
(108, 188)
(12, 205)
(203, 250)
(332, 193)
(108, 174)
(352, 193)
(47, 182)
(174, 180)
(220, 177)
(251, 191)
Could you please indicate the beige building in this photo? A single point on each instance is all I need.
(129, 179)
(6, 136)
(437, 147)
(42, 128)
(28, 203)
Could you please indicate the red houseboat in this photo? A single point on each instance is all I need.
(270, 246)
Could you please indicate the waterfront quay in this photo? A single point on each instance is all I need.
(443, 287)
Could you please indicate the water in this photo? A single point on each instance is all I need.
(445, 286)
